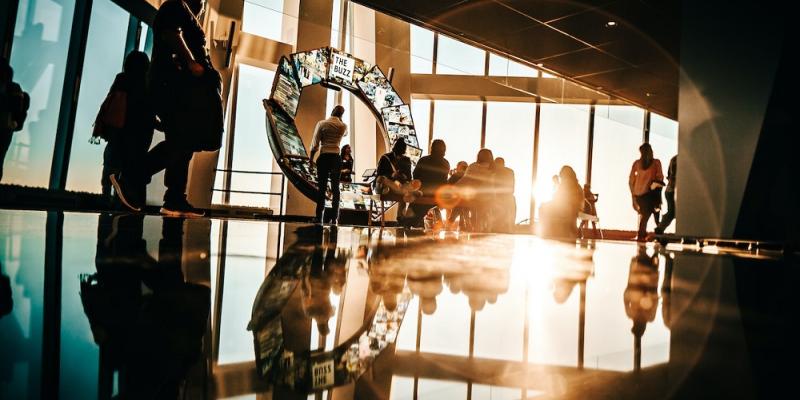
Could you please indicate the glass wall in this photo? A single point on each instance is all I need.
(617, 137)
(563, 140)
(272, 19)
(456, 58)
(39, 58)
(105, 48)
(458, 123)
(421, 50)
(421, 112)
(251, 151)
(509, 134)
(501, 66)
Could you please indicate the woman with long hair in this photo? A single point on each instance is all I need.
(645, 182)
(347, 164)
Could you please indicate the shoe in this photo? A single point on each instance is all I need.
(123, 193)
(181, 209)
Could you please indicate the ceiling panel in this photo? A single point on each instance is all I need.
(570, 37)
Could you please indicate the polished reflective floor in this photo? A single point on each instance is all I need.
(132, 306)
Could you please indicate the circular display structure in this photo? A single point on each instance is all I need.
(333, 69)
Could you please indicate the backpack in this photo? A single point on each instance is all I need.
(111, 117)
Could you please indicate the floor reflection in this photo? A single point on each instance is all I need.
(154, 307)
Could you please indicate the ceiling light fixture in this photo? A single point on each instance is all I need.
(611, 24)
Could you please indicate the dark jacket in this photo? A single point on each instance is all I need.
(395, 167)
(432, 172)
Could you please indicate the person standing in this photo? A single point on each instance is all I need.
(347, 164)
(14, 105)
(185, 90)
(432, 173)
(669, 195)
(328, 135)
(645, 182)
(478, 182)
(505, 203)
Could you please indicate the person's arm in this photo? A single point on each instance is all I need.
(659, 171)
(315, 142)
(631, 182)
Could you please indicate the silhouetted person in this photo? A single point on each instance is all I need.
(14, 105)
(394, 178)
(589, 208)
(127, 146)
(6, 301)
(479, 189)
(505, 203)
(645, 182)
(347, 164)
(431, 171)
(455, 177)
(328, 135)
(559, 216)
(669, 195)
(185, 90)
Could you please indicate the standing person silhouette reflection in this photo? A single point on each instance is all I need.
(328, 135)
(641, 297)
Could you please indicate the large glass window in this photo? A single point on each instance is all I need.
(458, 123)
(563, 140)
(509, 134)
(456, 58)
(272, 19)
(617, 137)
(105, 48)
(251, 151)
(501, 66)
(421, 50)
(39, 58)
(421, 113)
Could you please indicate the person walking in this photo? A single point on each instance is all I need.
(669, 195)
(505, 203)
(328, 135)
(645, 182)
(185, 90)
(128, 104)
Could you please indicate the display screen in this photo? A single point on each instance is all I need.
(378, 90)
(303, 168)
(397, 115)
(286, 92)
(346, 70)
(291, 143)
(312, 66)
(414, 153)
(402, 132)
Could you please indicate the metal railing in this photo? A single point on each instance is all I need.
(227, 182)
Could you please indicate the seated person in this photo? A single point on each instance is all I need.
(432, 172)
(558, 216)
(477, 189)
(393, 179)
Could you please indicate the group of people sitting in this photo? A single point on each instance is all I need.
(477, 196)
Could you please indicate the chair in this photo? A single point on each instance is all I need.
(585, 219)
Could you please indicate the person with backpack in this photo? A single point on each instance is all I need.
(185, 90)
(126, 121)
(14, 104)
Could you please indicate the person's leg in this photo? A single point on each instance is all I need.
(335, 177)
(155, 161)
(670, 215)
(323, 172)
(176, 174)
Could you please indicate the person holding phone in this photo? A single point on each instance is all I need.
(328, 135)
